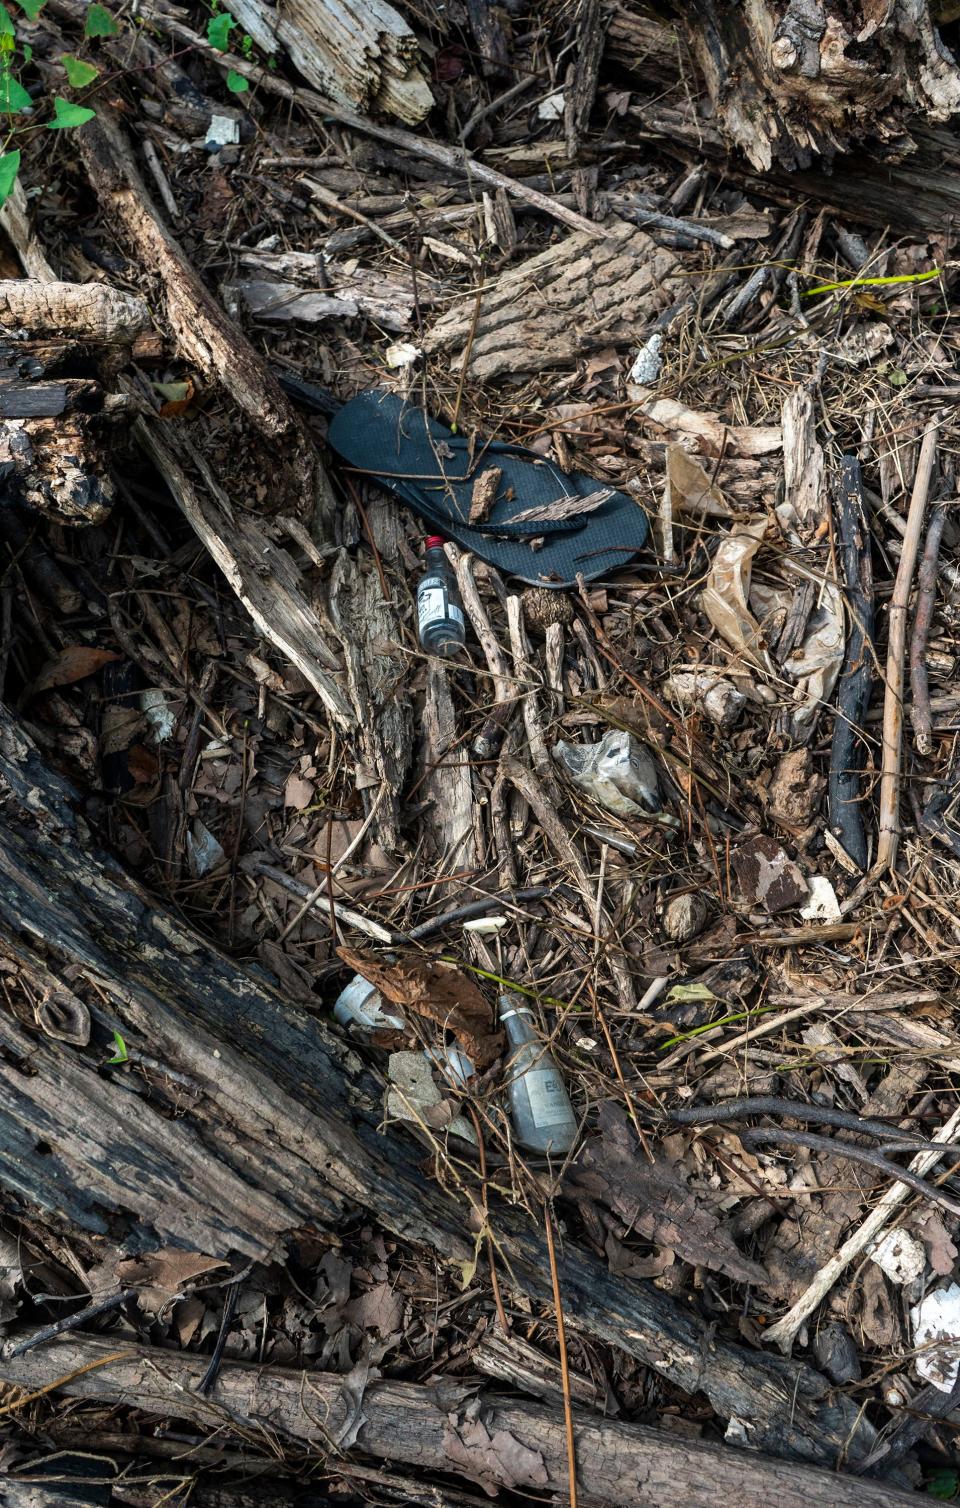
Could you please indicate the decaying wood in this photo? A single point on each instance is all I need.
(276, 1122)
(72, 313)
(360, 52)
(447, 1426)
(788, 83)
(204, 333)
(572, 298)
(260, 571)
(56, 466)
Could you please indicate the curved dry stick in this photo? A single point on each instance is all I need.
(837, 1147)
(896, 644)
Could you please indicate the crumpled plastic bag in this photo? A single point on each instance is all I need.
(618, 772)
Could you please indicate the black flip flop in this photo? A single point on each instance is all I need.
(435, 471)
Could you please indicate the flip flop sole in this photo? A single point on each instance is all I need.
(431, 469)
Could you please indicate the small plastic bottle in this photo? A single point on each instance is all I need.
(540, 1108)
(439, 610)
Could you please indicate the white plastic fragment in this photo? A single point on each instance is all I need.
(486, 924)
(551, 108)
(361, 1006)
(936, 1337)
(649, 360)
(900, 1255)
(161, 720)
(822, 905)
(223, 131)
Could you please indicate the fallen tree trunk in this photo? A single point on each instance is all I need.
(275, 1122)
(448, 1426)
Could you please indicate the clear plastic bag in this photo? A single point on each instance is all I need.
(618, 772)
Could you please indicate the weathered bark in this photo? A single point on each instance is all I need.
(574, 297)
(912, 189)
(359, 52)
(71, 313)
(447, 1427)
(275, 1124)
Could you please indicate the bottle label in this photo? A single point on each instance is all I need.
(546, 1096)
(434, 606)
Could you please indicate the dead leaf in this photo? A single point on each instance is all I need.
(298, 792)
(691, 490)
(186, 1319)
(354, 1385)
(715, 437)
(440, 993)
(724, 598)
(74, 663)
(494, 1460)
(157, 1275)
(654, 1201)
(379, 1308)
(941, 1250)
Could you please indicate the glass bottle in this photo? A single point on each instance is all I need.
(540, 1108)
(439, 610)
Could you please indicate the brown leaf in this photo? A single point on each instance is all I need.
(941, 1250)
(654, 1201)
(159, 1274)
(379, 1308)
(298, 792)
(491, 1460)
(74, 663)
(440, 993)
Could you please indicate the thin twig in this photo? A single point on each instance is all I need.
(892, 740)
(926, 593)
(836, 1146)
(61, 1382)
(564, 1363)
(71, 1322)
(491, 1256)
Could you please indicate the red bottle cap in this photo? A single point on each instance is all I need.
(432, 540)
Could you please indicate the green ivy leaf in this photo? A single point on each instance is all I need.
(218, 31)
(100, 23)
(31, 8)
(236, 82)
(79, 73)
(121, 1055)
(13, 96)
(944, 1484)
(9, 164)
(66, 114)
(6, 23)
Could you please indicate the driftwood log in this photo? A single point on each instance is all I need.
(449, 1426)
(275, 1124)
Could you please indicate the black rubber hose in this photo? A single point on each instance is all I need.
(848, 751)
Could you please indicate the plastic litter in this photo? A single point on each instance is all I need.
(618, 772)
(936, 1336)
(360, 1006)
(540, 1108)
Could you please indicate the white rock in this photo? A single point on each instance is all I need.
(899, 1254)
(646, 367)
(223, 131)
(161, 719)
(822, 905)
(936, 1336)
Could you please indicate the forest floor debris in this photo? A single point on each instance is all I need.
(676, 810)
